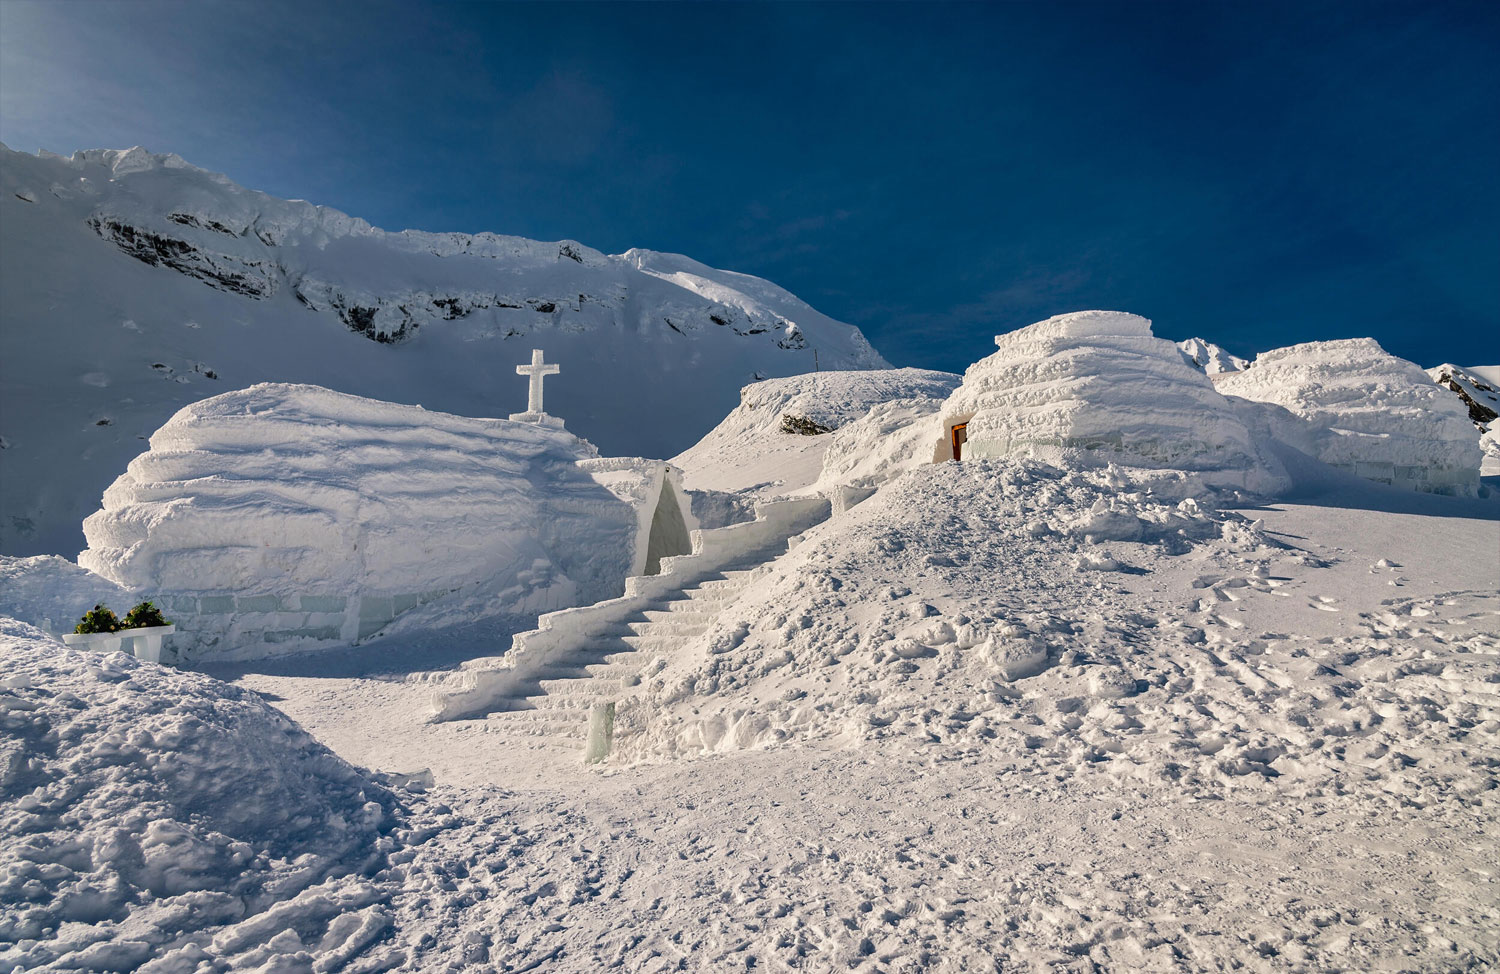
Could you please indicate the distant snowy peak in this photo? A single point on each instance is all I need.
(384, 285)
(1480, 398)
(1211, 358)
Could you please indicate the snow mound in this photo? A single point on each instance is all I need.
(1354, 406)
(1212, 359)
(52, 593)
(892, 438)
(143, 806)
(282, 516)
(1098, 387)
(892, 608)
(774, 440)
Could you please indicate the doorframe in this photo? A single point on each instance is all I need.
(955, 442)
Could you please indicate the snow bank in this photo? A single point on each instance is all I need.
(144, 807)
(892, 438)
(280, 516)
(1356, 407)
(1098, 387)
(52, 593)
(757, 447)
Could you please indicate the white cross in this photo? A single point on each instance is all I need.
(536, 370)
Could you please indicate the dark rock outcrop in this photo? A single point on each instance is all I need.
(252, 278)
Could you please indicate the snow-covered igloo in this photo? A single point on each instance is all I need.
(284, 517)
(1099, 387)
(1355, 406)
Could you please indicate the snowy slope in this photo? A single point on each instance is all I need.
(1489, 374)
(133, 284)
(1478, 389)
(1479, 396)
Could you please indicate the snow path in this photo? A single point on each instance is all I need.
(820, 860)
(934, 847)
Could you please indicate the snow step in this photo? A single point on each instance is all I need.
(577, 704)
(684, 616)
(712, 606)
(588, 684)
(647, 643)
(715, 586)
(624, 667)
(579, 658)
(661, 627)
(718, 594)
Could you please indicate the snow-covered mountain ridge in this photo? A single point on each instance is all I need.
(134, 283)
(168, 213)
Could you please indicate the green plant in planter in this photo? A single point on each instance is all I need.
(98, 619)
(144, 616)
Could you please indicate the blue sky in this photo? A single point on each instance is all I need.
(1254, 173)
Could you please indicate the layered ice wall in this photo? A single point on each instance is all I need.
(1098, 386)
(281, 516)
(1355, 406)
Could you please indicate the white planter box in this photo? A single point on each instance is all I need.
(144, 643)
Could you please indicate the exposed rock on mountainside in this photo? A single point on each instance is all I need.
(1479, 397)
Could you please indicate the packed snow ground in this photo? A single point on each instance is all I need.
(1007, 714)
(1002, 715)
(1265, 747)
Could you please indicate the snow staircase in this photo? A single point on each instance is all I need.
(553, 675)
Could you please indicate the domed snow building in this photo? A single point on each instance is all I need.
(1355, 406)
(1097, 387)
(287, 517)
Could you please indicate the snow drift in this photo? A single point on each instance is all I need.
(135, 283)
(774, 441)
(280, 517)
(1354, 406)
(1098, 387)
(144, 807)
